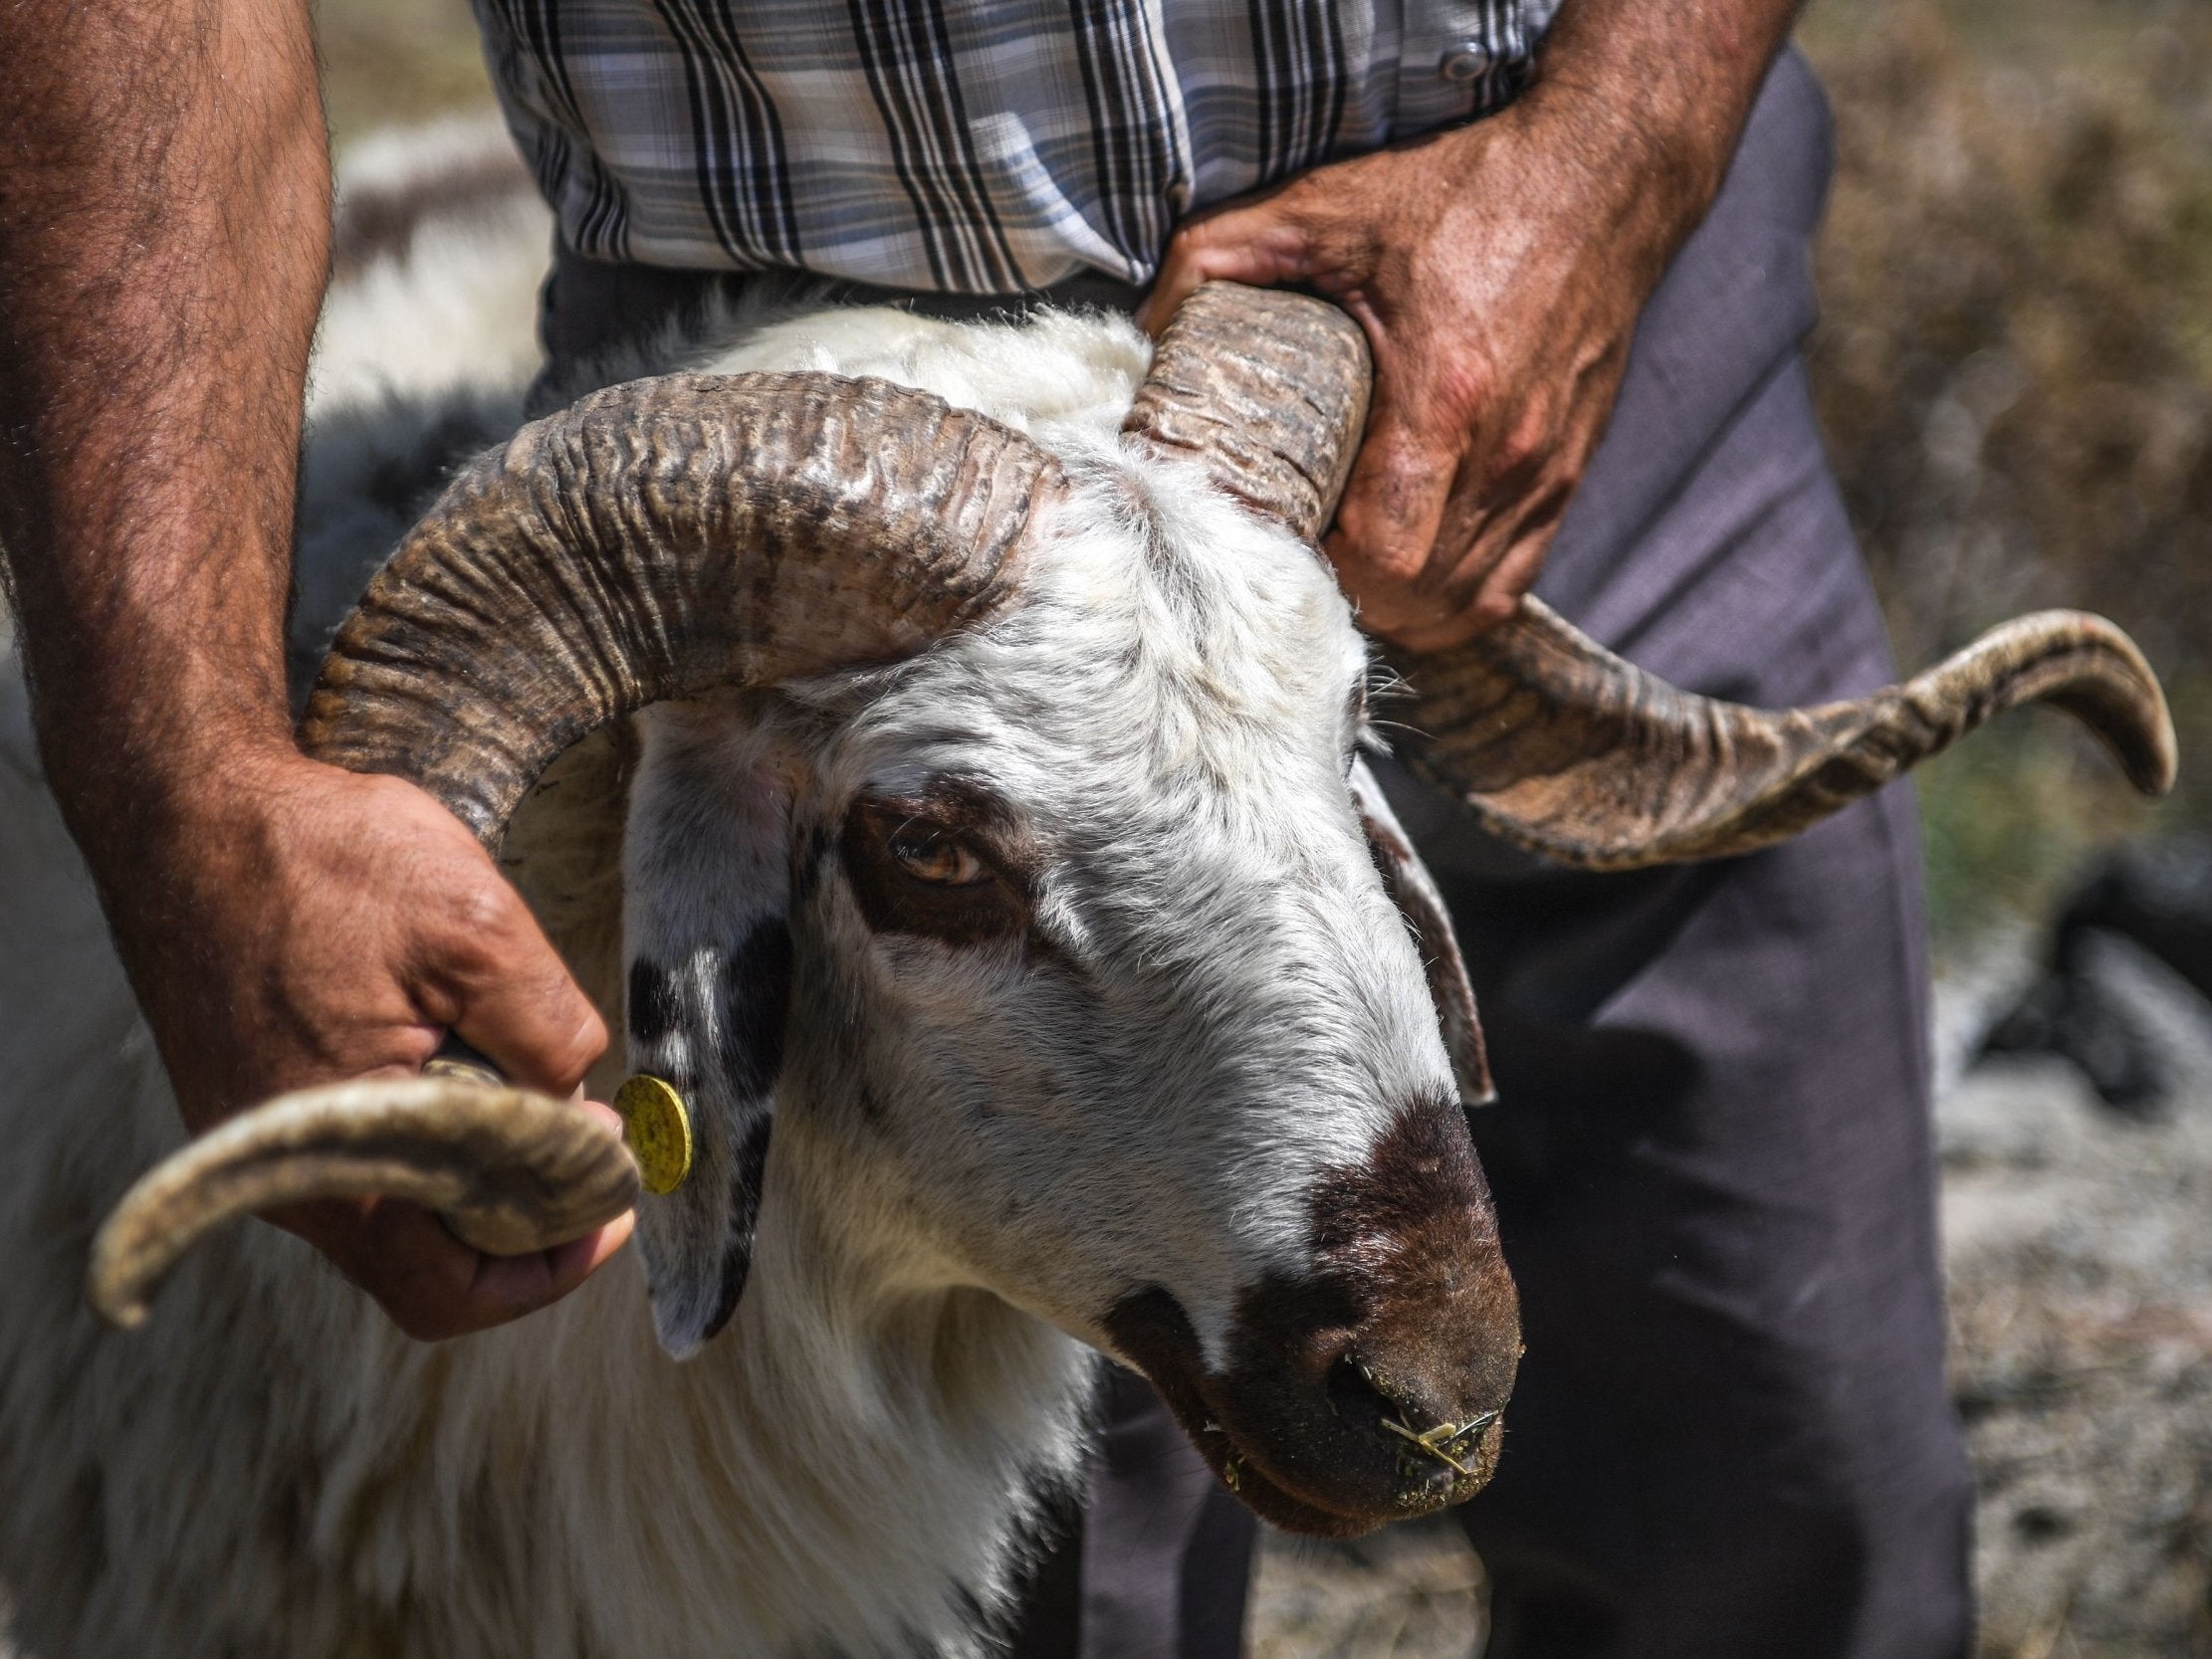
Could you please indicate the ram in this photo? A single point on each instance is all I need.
(980, 780)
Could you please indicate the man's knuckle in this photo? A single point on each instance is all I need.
(1523, 443)
(1493, 606)
(1397, 563)
(481, 910)
(570, 1057)
(1377, 563)
(1461, 390)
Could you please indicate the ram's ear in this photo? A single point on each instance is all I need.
(1415, 890)
(708, 945)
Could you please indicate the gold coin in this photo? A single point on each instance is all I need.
(656, 1128)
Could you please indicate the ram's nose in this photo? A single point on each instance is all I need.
(1428, 1419)
(1374, 1387)
(1371, 1385)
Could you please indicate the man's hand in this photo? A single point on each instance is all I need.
(165, 236)
(1498, 271)
(287, 924)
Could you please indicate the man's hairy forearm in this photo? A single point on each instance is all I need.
(165, 212)
(1653, 100)
(165, 231)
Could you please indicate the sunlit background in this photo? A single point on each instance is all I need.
(2015, 374)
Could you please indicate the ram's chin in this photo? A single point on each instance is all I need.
(1272, 1503)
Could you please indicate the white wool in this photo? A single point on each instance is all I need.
(853, 1465)
(456, 309)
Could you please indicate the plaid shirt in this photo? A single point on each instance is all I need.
(976, 146)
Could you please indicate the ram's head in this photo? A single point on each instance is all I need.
(1005, 842)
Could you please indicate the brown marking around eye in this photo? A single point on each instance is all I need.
(894, 899)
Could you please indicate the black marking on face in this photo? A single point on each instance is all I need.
(747, 1177)
(748, 1170)
(655, 1007)
(747, 1173)
(757, 999)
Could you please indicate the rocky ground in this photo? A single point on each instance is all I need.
(2078, 1244)
(2080, 1247)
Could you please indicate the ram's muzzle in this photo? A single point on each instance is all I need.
(1371, 1387)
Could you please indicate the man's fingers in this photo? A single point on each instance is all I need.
(430, 1283)
(1262, 245)
(1392, 508)
(517, 1003)
(1493, 575)
(508, 1287)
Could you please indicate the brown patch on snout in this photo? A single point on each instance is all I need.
(1371, 1387)
(949, 864)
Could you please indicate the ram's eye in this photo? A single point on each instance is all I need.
(930, 855)
(914, 873)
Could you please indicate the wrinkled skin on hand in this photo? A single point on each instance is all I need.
(1498, 272)
(296, 924)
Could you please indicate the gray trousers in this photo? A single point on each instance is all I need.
(1730, 1438)
(1731, 1435)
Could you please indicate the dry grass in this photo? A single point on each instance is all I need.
(1414, 1591)
(2015, 375)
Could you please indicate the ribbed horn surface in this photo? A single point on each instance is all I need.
(654, 540)
(1267, 390)
(660, 538)
(512, 1172)
(1560, 746)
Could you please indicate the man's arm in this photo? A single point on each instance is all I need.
(1498, 270)
(164, 233)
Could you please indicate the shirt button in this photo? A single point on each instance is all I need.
(1463, 62)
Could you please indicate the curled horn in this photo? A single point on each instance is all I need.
(1267, 390)
(654, 540)
(513, 1172)
(1556, 744)
(658, 540)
